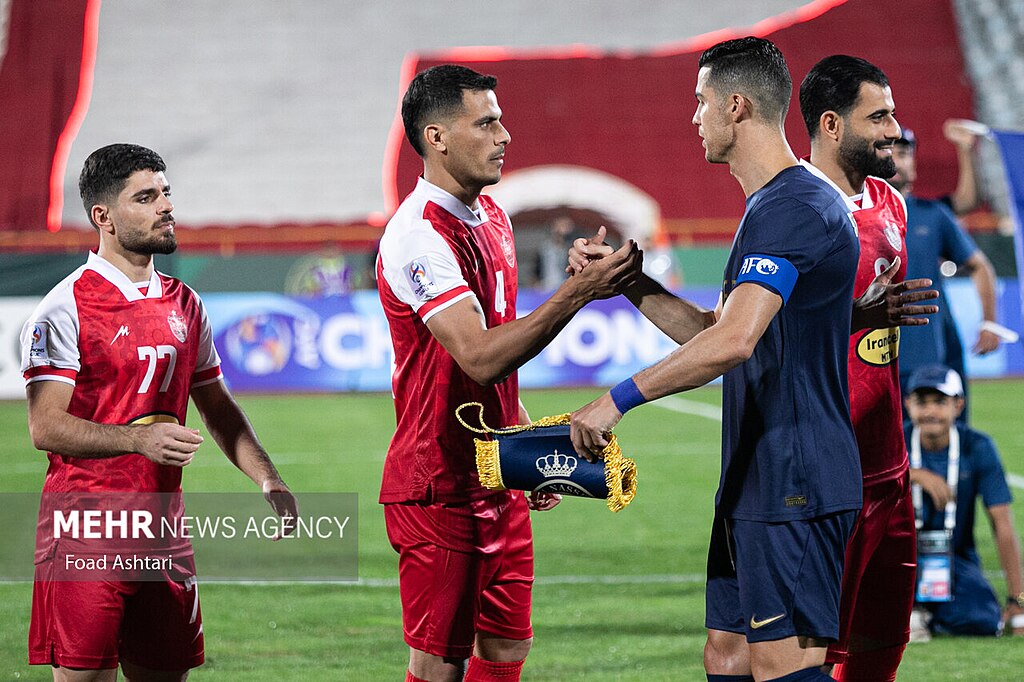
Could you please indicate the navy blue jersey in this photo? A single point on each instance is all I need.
(933, 235)
(981, 475)
(788, 448)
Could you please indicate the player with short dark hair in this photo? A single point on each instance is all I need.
(447, 278)
(110, 357)
(790, 483)
(847, 105)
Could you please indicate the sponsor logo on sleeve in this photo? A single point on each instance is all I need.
(38, 349)
(421, 279)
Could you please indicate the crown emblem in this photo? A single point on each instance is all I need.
(556, 465)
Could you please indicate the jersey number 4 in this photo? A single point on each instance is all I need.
(151, 355)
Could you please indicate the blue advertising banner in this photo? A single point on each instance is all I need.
(1011, 148)
(272, 342)
(276, 343)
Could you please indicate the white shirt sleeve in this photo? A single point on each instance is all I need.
(49, 339)
(207, 358)
(421, 269)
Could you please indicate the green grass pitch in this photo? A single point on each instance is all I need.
(618, 596)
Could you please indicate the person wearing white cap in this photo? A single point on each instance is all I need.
(951, 466)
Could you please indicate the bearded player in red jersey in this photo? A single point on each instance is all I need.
(446, 274)
(110, 357)
(848, 108)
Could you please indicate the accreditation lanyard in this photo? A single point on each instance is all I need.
(952, 478)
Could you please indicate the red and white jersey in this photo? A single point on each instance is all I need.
(874, 371)
(435, 252)
(873, 360)
(132, 352)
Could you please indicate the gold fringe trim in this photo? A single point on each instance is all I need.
(488, 464)
(619, 472)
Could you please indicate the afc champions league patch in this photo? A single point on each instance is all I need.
(178, 327)
(421, 279)
(509, 250)
(38, 349)
(892, 235)
(879, 347)
(776, 272)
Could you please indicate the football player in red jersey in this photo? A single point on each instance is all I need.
(848, 109)
(447, 278)
(111, 356)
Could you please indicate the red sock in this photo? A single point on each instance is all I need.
(409, 677)
(480, 670)
(878, 665)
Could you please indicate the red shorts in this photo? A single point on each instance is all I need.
(463, 569)
(880, 571)
(95, 625)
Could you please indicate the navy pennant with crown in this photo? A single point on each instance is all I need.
(540, 457)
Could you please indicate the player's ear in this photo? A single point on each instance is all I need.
(99, 214)
(830, 125)
(739, 107)
(434, 136)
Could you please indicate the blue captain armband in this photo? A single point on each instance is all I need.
(626, 396)
(773, 272)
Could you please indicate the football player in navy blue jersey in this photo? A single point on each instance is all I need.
(790, 485)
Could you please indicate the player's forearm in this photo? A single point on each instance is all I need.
(236, 438)
(678, 318)
(1008, 546)
(983, 275)
(505, 348)
(965, 197)
(708, 355)
(62, 433)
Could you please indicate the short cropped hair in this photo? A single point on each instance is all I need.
(754, 68)
(833, 84)
(107, 170)
(437, 93)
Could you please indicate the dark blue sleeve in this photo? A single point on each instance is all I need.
(991, 478)
(781, 240)
(957, 245)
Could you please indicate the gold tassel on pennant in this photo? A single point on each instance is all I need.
(620, 474)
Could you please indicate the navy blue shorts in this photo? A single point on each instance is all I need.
(770, 581)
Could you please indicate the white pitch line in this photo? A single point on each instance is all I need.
(662, 579)
(693, 407)
(1015, 480)
(677, 404)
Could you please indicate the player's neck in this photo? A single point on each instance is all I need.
(759, 159)
(136, 267)
(850, 183)
(441, 178)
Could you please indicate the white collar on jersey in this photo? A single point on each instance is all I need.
(865, 197)
(120, 280)
(449, 203)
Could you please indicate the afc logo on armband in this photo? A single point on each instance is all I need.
(760, 265)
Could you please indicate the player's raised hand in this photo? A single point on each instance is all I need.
(590, 425)
(885, 304)
(166, 443)
(585, 250)
(934, 485)
(611, 274)
(284, 504)
(961, 132)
